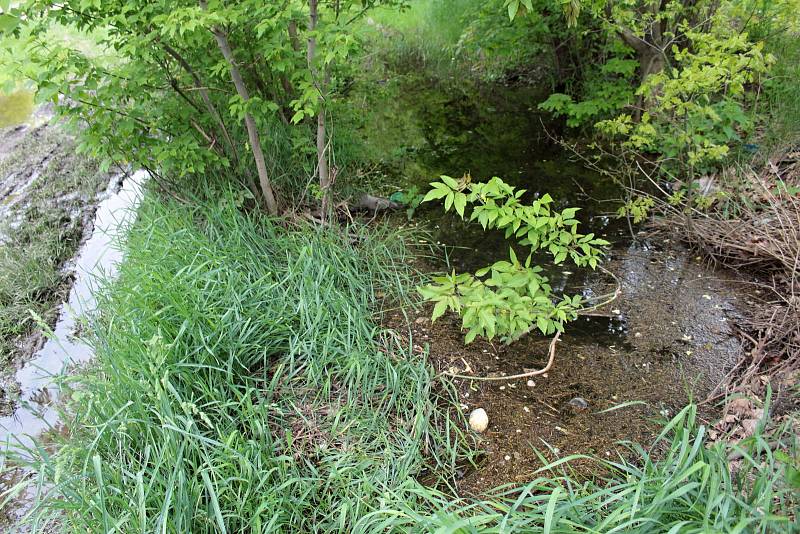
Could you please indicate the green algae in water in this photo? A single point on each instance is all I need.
(15, 108)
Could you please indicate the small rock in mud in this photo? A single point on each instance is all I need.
(578, 404)
(478, 420)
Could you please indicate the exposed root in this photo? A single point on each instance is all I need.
(550, 361)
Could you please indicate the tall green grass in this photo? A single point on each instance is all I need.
(457, 40)
(782, 93)
(678, 485)
(242, 384)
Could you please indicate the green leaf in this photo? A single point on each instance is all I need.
(451, 182)
(550, 510)
(460, 203)
(8, 23)
(470, 337)
(513, 7)
(434, 194)
(542, 324)
(439, 310)
(513, 256)
(448, 201)
(569, 213)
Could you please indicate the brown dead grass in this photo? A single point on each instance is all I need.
(762, 241)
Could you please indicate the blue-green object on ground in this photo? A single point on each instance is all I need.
(399, 197)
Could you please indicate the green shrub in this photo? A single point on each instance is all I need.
(510, 298)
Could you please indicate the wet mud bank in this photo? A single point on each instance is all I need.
(60, 217)
(32, 383)
(37, 400)
(96, 261)
(48, 197)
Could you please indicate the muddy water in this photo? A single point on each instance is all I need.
(665, 340)
(98, 257)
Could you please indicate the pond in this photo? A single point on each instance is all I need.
(664, 341)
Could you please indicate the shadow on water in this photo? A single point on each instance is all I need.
(496, 131)
(665, 340)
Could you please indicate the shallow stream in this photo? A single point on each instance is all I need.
(97, 260)
(665, 340)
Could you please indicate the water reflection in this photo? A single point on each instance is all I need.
(98, 257)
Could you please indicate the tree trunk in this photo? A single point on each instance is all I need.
(322, 163)
(252, 130)
(652, 60)
(322, 142)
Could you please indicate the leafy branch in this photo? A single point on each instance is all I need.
(509, 298)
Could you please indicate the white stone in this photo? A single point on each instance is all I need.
(478, 420)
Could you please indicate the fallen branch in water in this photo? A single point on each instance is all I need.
(552, 357)
(606, 299)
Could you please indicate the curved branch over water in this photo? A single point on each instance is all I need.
(550, 361)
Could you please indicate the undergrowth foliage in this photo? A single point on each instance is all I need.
(241, 384)
(191, 90)
(515, 297)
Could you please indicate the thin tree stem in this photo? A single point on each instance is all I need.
(252, 130)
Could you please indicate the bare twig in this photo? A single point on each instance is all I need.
(550, 361)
